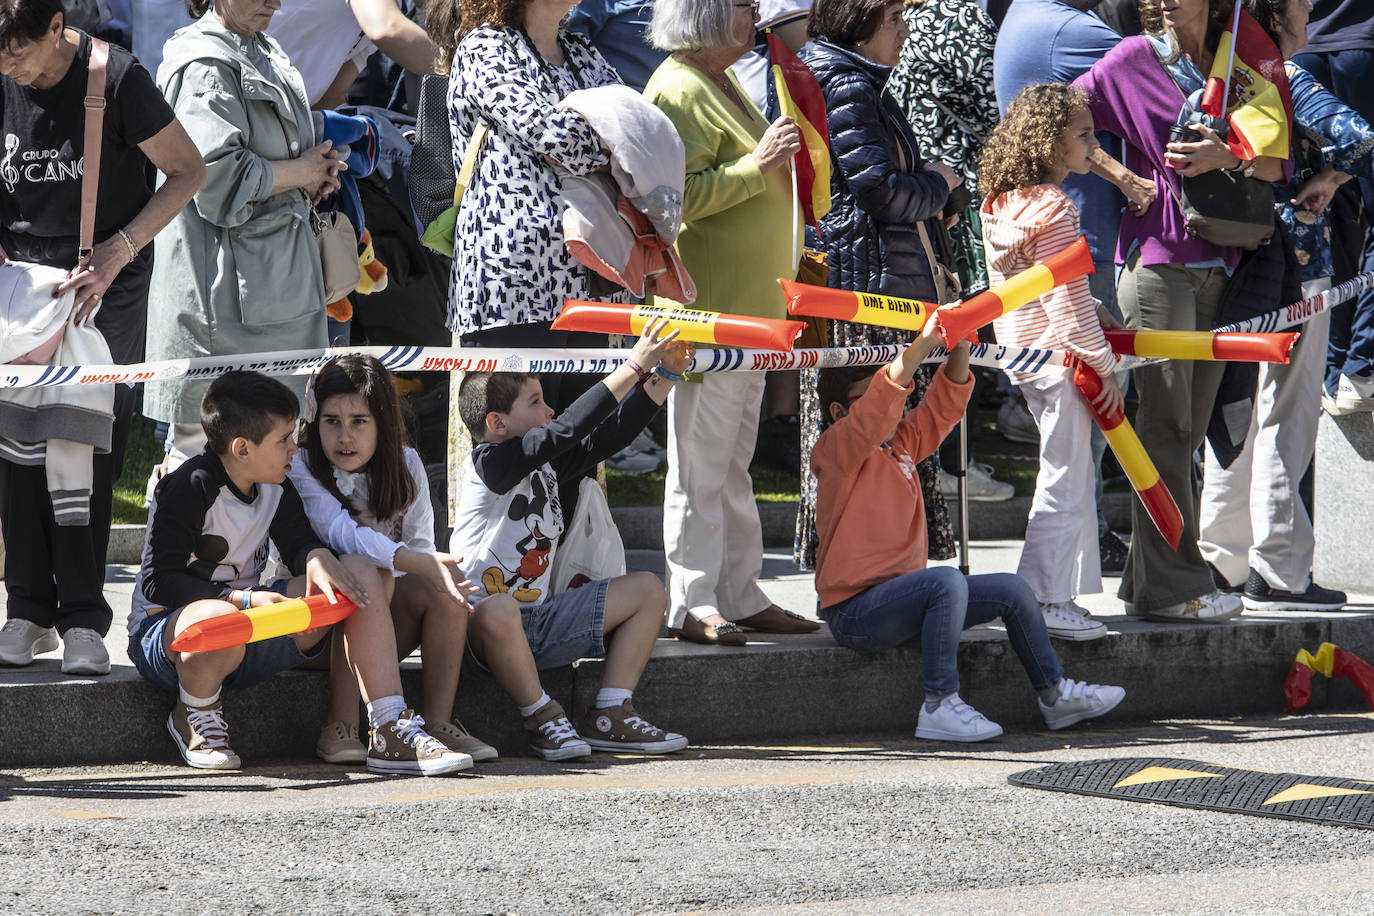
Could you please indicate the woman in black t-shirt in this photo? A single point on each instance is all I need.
(54, 574)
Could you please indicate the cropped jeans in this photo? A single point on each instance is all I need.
(932, 607)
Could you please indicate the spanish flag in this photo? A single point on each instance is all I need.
(1259, 103)
(800, 98)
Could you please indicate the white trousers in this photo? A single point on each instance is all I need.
(188, 441)
(1060, 559)
(1251, 515)
(711, 530)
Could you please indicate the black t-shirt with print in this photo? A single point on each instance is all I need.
(43, 144)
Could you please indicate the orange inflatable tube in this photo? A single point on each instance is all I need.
(238, 628)
(863, 308)
(1239, 346)
(1140, 470)
(957, 320)
(691, 324)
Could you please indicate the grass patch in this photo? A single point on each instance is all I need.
(140, 456)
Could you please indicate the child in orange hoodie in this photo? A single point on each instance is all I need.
(875, 590)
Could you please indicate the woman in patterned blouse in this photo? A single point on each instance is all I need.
(510, 64)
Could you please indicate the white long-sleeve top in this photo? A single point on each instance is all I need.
(362, 533)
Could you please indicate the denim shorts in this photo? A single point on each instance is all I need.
(565, 629)
(260, 661)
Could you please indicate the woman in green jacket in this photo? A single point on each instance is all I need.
(238, 270)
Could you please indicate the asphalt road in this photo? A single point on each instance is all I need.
(890, 825)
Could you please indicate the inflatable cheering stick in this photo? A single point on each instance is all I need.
(1140, 470)
(957, 320)
(1238, 346)
(1332, 661)
(284, 618)
(862, 308)
(691, 324)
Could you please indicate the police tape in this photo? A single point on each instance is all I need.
(1027, 360)
(474, 359)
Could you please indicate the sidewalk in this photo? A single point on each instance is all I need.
(775, 688)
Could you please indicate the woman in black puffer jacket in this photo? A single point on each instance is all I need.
(881, 192)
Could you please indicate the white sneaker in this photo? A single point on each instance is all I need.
(955, 720)
(21, 640)
(1078, 701)
(631, 460)
(1015, 423)
(982, 486)
(1354, 394)
(1216, 607)
(645, 443)
(1066, 620)
(84, 652)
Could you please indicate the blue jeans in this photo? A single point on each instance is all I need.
(1347, 74)
(932, 607)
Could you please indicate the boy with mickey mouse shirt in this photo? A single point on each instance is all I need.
(508, 524)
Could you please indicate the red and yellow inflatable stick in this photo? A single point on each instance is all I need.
(1332, 661)
(1140, 470)
(863, 308)
(1244, 347)
(238, 628)
(692, 324)
(957, 320)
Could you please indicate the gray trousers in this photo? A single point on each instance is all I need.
(1176, 399)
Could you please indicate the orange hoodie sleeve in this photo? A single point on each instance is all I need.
(927, 424)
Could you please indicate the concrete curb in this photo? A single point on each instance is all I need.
(769, 691)
(641, 527)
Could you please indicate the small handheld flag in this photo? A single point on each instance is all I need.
(801, 99)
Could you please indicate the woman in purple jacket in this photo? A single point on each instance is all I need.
(1169, 280)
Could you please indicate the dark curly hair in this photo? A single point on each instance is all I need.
(447, 21)
(1024, 147)
(1218, 18)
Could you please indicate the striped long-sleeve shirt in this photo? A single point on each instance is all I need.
(1024, 227)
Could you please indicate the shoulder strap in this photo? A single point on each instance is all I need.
(470, 156)
(90, 151)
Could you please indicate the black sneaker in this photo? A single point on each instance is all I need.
(1226, 588)
(1112, 550)
(1260, 596)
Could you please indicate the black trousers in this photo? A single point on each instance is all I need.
(55, 574)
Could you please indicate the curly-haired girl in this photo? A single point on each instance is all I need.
(1046, 134)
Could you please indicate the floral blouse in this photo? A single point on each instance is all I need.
(510, 265)
(1328, 134)
(944, 82)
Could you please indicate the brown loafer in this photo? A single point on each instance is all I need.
(774, 619)
(720, 634)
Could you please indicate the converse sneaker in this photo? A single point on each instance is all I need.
(1214, 607)
(340, 743)
(404, 746)
(1261, 596)
(1354, 394)
(1078, 701)
(955, 720)
(621, 728)
(457, 738)
(1066, 620)
(202, 736)
(21, 640)
(84, 652)
(552, 736)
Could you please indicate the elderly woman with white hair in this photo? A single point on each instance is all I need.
(738, 237)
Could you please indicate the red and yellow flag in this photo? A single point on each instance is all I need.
(1260, 104)
(801, 99)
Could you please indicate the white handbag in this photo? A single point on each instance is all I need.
(591, 549)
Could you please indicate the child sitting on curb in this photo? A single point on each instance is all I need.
(204, 555)
(875, 590)
(508, 524)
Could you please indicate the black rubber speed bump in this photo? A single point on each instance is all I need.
(1193, 784)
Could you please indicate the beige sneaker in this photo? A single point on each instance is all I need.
(621, 728)
(404, 746)
(457, 738)
(340, 743)
(552, 736)
(202, 736)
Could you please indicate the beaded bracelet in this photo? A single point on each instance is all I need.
(668, 376)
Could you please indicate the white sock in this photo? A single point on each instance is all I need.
(197, 702)
(527, 711)
(385, 709)
(611, 696)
